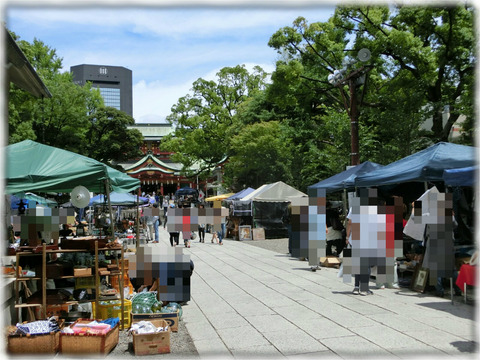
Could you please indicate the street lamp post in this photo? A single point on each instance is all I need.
(354, 79)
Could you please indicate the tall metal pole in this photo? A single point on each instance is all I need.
(112, 225)
(355, 151)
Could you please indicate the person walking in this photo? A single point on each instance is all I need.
(361, 286)
(156, 223)
(165, 207)
(221, 234)
(201, 228)
(174, 235)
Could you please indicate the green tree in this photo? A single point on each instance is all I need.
(260, 154)
(422, 59)
(109, 139)
(428, 53)
(204, 121)
(74, 118)
(61, 120)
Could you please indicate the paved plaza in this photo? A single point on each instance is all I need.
(247, 301)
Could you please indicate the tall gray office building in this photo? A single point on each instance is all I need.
(114, 82)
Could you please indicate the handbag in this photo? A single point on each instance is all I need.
(347, 251)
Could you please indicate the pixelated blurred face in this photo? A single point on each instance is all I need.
(188, 219)
(169, 265)
(376, 238)
(436, 214)
(308, 221)
(43, 220)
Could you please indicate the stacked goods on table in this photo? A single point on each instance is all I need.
(90, 336)
(37, 337)
(145, 306)
(151, 337)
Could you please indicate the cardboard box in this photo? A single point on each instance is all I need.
(330, 261)
(154, 343)
(82, 271)
(258, 234)
(171, 319)
(459, 261)
(52, 310)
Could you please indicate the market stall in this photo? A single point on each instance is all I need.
(269, 204)
(31, 166)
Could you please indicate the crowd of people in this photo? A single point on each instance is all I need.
(152, 223)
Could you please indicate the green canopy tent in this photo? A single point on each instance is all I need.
(31, 166)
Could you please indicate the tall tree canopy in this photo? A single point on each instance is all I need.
(422, 60)
(422, 63)
(204, 121)
(74, 118)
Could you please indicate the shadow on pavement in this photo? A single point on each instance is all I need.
(447, 307)
(466, 346)
(308, 269)
(348, 292)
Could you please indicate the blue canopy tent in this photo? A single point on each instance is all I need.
(124, 199)
(345, 179)
(186, 191)
(408, 177)
(28, 198)
(240, 208)
(241, 194)
(423, 166)
(460, 177)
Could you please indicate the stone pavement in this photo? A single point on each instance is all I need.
(251, 302)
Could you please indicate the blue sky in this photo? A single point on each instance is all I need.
(167, 48)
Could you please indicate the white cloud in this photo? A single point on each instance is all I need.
(170, 21)
(153, 100)
(167, 48)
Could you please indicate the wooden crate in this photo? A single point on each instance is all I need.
(89, 343)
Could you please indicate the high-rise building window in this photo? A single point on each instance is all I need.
(111, 97)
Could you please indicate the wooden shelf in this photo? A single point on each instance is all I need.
(25, 278)
(27, 305)
(43, 279)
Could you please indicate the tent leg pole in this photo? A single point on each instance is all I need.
(107, 191)
(137, 230)
(451, 289)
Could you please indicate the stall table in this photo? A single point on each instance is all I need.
(466, 276)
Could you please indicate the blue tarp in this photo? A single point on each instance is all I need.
(460, 177)
(241, 194)
(115, 199)
(423, 166)
(28, 199)
(345, 179)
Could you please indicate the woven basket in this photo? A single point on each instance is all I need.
(89, 343)
(33, 344)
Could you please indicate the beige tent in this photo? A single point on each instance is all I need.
(276, 192)
(268, 206)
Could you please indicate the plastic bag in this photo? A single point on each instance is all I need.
(340, 272)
